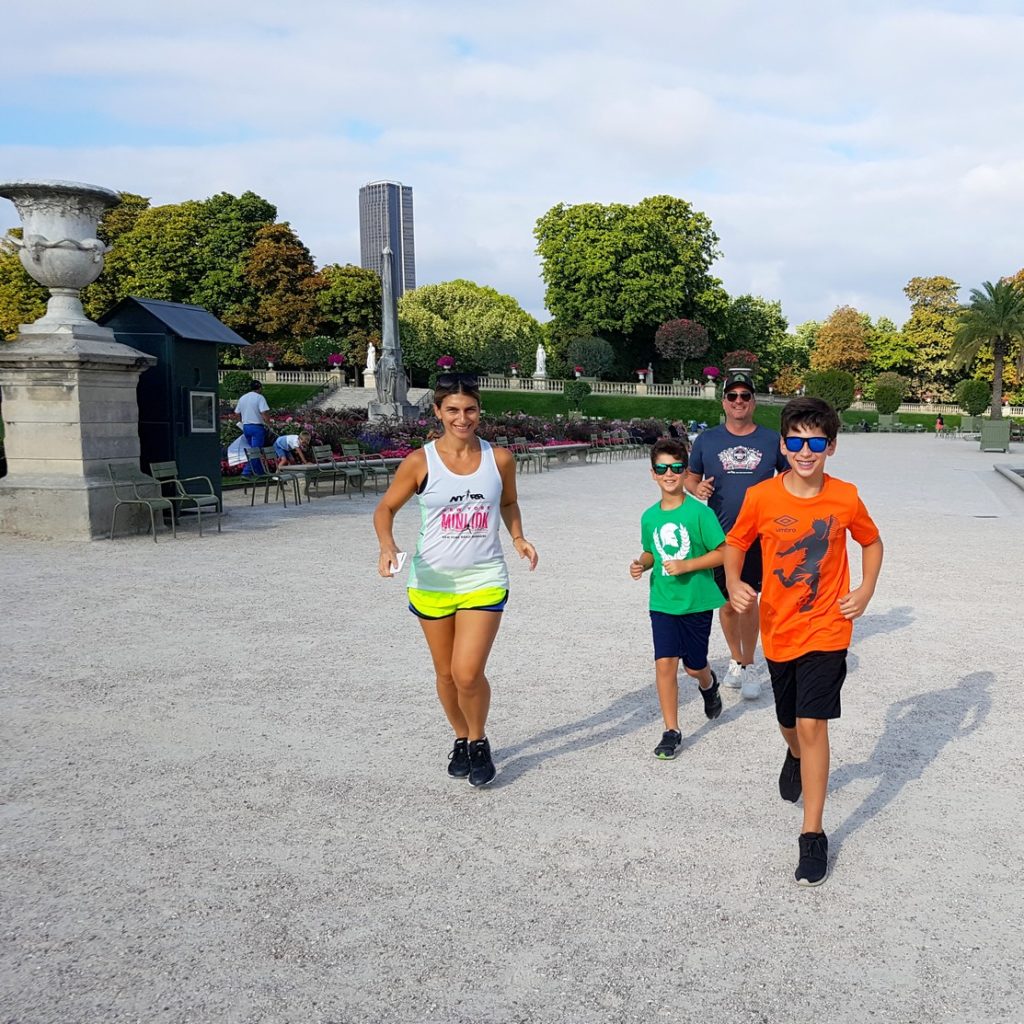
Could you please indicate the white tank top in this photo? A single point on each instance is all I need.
(458, 549)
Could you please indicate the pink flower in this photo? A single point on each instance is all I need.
(446, 362)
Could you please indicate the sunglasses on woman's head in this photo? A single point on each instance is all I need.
(449, 380)
(816, 444)
(739, 396)
(663, 467)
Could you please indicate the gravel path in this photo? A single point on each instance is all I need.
(223, 792)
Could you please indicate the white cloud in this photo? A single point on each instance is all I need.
(838, 152)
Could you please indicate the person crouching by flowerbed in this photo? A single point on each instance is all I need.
(458, 579)
(290, 449)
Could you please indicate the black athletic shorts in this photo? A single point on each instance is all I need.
(751, 574)
(808, 686)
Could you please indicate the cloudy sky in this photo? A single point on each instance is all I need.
(839, 149)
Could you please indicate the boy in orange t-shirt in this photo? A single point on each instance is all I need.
(807, 607)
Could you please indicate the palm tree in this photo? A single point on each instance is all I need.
(995, 317)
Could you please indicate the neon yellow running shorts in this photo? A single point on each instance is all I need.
(434, 604)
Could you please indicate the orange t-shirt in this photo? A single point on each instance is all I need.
(806, 571)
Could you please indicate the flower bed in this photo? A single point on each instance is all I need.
(335, 427)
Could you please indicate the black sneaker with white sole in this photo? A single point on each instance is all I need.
(481, 767)
(812, 868)
(669, 746)
(712, 698)
(790, 783)
(458, 759)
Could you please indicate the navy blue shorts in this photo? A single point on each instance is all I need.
(808, 686)
(682, 636)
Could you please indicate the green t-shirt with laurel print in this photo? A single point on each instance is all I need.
(689, 531)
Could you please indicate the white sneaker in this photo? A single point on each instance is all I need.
(733, 677)
(750, 684)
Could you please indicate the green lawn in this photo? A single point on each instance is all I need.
(287, 396)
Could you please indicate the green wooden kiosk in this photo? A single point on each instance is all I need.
(179, 414)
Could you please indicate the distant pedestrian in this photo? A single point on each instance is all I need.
(682, 542)
(252, 410)
(940, 424)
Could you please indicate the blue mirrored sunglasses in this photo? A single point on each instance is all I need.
(663, 467)
(816, 444)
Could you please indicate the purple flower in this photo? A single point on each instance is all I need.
(446, 362)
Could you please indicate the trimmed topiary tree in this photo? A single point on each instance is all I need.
(835, 386)
(890, 390)
(575, 392)
(973, 396)
(234, 385)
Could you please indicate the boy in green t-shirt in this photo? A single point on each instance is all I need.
(682, 542)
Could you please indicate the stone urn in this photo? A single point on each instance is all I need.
(59, 247)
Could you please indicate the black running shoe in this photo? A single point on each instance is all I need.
(790, 784)
(669, 746)
(712, 698)
(458, 759)
(481, 767)
(812, 868)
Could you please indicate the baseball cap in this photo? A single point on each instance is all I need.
(738, 377)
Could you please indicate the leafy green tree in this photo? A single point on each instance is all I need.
(757, 325)
(681, 339)
(279, 270)
(315, 350)
(348, 299)
(116, 222)
(889, 347)
(890, 390)
(21, 299)
(841, 343)
(995, 320)
(191, 252)
(835, 386)
(483, 329)
(595, 355)
(625, 269)
(930, 332)
(973, 396)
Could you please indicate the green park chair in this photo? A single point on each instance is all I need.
(183, 498)
(263, 474)
(128, 481)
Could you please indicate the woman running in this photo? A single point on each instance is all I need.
(458, 580)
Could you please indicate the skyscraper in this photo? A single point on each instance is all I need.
(385, 219)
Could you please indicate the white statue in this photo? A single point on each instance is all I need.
(371, 358)
(542, 362)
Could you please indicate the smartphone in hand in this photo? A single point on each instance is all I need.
(401, 556)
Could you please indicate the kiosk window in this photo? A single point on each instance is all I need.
(203, 409)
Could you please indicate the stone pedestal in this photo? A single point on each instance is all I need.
(404, 411)
(709, 390)
(70, 407)
(641, 388)
(369, 379)
(513, 382)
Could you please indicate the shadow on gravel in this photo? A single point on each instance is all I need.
(916, 730)
(628, 713)
(886, 622)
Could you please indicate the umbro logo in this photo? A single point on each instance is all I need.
(786, 520)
